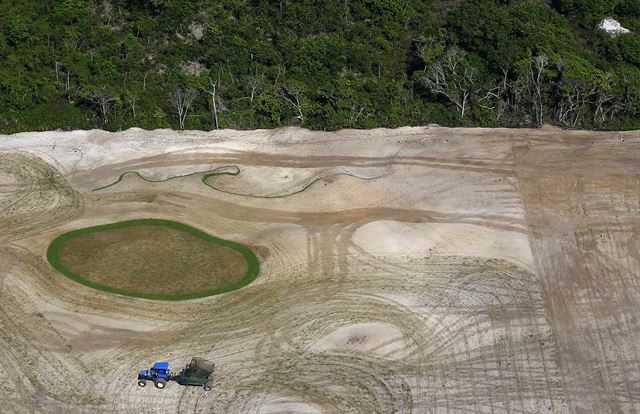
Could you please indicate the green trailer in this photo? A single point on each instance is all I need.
(198, 372)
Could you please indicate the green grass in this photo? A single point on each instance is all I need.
(225, 170)
(253, 266)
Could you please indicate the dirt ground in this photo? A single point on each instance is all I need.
(152, 259)
(417, 270)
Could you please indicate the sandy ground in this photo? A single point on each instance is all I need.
(417, 270)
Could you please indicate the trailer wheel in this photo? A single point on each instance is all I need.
(161, 383)
(142, 383)
(208, 386)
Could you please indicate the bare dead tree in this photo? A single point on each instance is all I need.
(282, 71)
(629, 93)
(574, 95)
(181, 99)
(573, 101)
(293, 95)
(131, 100)
(212, 93)
(606, 101)
(536, 73)
(356, 111)
(254, 84)
(144, 80)
(499, 98)
(217, 104)
(221, 106)
(452, 79)
(67, 84)
(103, 101)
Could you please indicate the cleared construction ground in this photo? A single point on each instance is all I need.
(415, 270)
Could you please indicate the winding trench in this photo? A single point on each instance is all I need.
(232, 170)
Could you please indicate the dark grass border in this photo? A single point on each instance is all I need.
(224, 170)
(252, 261)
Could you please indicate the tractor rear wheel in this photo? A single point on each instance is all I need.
(208, 386)
(161, 383)
(142, 383)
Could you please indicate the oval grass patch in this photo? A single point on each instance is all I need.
(153, 259)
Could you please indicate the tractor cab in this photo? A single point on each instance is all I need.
(160, 370)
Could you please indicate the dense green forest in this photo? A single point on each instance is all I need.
(244, 64)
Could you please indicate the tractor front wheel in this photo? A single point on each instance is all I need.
(161, 383)
(208, 386)
(142, 383)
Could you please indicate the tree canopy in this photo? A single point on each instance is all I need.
(244, 64)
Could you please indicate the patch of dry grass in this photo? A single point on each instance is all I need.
(152, 259)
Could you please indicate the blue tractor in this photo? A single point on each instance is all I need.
(159, 373)
(198, 372)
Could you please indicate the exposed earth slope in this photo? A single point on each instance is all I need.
(409, 270)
